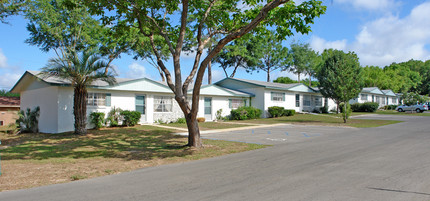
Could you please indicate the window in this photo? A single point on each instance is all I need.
(162, 104)
(235, 103)
(297, 100)
(140, 104)
(1, 123)
(383, 101)
(394, 100)
(98, 99)
(364, 97)
(377, 99)
(318, 101)
(306, 100)
(276, 96)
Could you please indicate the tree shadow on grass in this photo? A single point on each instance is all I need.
(125, 143)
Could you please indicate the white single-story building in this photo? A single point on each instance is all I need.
(295, 96)
(374, 94)
(154, 100)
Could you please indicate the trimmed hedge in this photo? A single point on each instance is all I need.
(390, 107)
(289, 112)
(130, 117)
(276, 111)
(245, 112)
(364, 107)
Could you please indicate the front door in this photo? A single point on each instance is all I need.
(208, 108)
(140, 107)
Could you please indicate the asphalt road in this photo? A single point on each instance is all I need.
(306, 163)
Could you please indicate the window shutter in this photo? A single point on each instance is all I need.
(244, 102)
(108, 99)
(283, 96)
(271, 95)
(229, 103)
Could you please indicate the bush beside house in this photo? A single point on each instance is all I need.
(245, 112)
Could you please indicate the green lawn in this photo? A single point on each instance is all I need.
(29, 160)
(208, 125)
(386, 112)
(310, 119)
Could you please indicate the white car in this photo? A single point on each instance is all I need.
(419, 108)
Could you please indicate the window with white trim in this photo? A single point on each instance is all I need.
(383, 100)
(163, 104)
(276, 96)
(318, 101)
(306, 100)
(394, 100)
(96, 99)
(236, 103)
(297, 100)
(364, 97)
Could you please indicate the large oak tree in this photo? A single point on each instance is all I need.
(199, 22)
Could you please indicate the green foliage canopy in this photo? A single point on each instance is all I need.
(340, 76)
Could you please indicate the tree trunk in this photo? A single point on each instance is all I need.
(268, 75)
(310, 80)
(337, 107)
(344, 112)
(210, 72)
(194, 139)
(80, 109)
(298, 77)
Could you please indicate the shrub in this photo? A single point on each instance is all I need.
(245, 112)
(218, 115)
(369, 107)
(28, 121)
(348, 110)
(364, 107)
(113, 117)
(201, 119)
(276, 111)
(130, 117)
(181, 121)
(289, 112)
(97, 118)
(390, 107)
(356, 107)
(324, 109)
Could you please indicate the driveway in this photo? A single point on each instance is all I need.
(385, 163)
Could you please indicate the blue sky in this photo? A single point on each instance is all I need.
(379, 31)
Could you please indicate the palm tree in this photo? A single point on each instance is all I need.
(81, 70)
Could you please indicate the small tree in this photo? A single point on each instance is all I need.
(28, 121)
(81, 70)
(340, 77)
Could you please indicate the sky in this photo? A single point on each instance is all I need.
(380, 32)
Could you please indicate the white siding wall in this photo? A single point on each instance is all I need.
(44, 96)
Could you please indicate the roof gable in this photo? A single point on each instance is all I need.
(142, 84)
(221, 91)
(388, 92)
(302, 88)
(372, 90)
(268, 85)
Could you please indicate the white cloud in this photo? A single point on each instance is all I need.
(217, 75)
(374, 5)
(318, 44)
(388, 39)
(136, 71)
(3, 60)
(8, 80)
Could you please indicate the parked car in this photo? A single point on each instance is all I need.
(418, 108)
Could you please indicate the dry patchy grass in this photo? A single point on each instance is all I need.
(30, 160)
